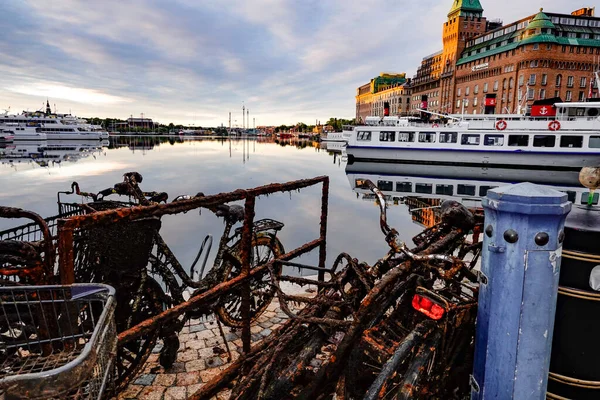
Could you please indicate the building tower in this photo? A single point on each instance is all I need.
(465, 21)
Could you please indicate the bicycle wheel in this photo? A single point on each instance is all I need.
(264, 249)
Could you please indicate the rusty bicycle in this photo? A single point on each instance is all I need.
(134, 258)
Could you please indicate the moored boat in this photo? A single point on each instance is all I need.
(561, 135)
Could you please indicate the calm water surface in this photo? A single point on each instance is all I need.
(210, 166)
(179, 166)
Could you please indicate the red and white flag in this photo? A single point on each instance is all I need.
(591, 93)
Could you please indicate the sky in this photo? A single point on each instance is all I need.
(194, 61)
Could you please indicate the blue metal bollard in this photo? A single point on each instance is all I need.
(517, 299)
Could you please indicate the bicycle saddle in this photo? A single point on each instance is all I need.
(231, 214)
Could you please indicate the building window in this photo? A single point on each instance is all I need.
(549, 46)
(495, 86)
(581, 96)
(458, 92)
(475, 102)
(458, 104)
(582, 81)
(467, 91)
(504, 84)
(536, 46)
(485, 87)
(544, 79)
(521, 80)
(476, 89)
(570, 81)
(532, 79)
(569, 96)
(558, 80)
(542, 94)
(557, 93)
(530, 94)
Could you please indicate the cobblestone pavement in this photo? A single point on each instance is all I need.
(201, 356)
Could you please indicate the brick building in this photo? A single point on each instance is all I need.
(392, 90)
(538, 57)
(542, 56)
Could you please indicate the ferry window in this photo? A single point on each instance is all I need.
(470, 140)
(446, 190)
(468, 190)
(427, 137)
(544, 141)
(425, 188)
(518, 140)
(484, 189)
(594, 142)
(448, 137)
(571, 141)
(493, 140)
(406, 136)
(387, 136)
(363, 136)
(586, 195)
(404, 187)
(385, 185)
(571, 196)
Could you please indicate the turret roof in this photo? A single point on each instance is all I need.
(542, 21)
(465, 5)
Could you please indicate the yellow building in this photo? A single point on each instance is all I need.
(388, 89)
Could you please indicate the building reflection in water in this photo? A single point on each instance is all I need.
(46, 153)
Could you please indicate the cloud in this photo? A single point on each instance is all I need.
(186, 61)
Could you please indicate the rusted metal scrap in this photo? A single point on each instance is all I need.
(359, 335)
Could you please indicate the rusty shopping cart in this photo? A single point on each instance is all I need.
(57, 342)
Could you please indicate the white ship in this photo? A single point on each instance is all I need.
(341, 137)
(45, 153)
(47, 125)
(561, 135)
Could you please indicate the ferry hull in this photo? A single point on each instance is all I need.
(542, 160)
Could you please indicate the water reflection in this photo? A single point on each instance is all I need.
(49, 153)
(422, 188)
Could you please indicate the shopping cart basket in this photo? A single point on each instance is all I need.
(57, 342)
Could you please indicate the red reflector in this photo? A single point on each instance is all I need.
(427, 307)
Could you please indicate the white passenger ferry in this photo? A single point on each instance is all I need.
(563, 135)
(341, 137)
(467, 185)
(47, 125)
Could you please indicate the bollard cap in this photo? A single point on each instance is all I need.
(527, 198)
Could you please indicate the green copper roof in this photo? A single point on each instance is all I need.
(466, 5)
(545, 38)
(542, 21)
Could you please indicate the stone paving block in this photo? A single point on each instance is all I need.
(209, 374)
(266, 332)
(193, 389)
(231, 336)
(176, 368)
(184, 337)
(152, 393)
(187, 355)
(188, 378)
(176, 393)
(266, 324)
(145, 380)
(224, 395)
(165, 379)
(197, 328)
(212, 342)
(195, 365)
(206, 334)
(185, 329)
(207, 352)
(130, 392)
(262, 318)
(256, 337)
(275, 320)
(214, 362)
(196, 344)
(255, 329)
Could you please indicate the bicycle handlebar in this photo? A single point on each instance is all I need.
(391, 234)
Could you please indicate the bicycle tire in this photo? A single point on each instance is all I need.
(228, 308)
